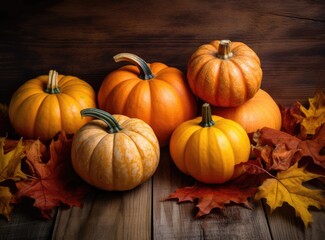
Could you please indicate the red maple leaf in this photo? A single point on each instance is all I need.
(213, 196)
(53, 182)
(290, 118)
(280, 150)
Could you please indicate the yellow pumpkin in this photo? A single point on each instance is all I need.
(224, 73)
(114, 152)
(258, 112)
(46, 105)
(208, 147)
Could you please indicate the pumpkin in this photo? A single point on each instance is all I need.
(48, 104)
(155, 93)
(256, 113)
(208, 147)
(224, 73)
(114, 152)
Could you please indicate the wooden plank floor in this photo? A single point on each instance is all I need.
(80, 38)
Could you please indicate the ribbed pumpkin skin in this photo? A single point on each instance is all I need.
(35, 113)
(115, 161)
(224, 82)
(163, 102)
(256, 113)
(209, 154)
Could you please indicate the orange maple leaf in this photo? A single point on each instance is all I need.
(213, 196)
(54, 182)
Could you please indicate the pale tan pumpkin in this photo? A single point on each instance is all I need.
(114, 152)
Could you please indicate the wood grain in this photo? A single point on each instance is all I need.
(108, 215)
(81, 37)
(176, 221)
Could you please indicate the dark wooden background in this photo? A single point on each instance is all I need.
(80, 37)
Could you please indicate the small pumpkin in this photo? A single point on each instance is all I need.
(224, 73)
(114, 152)
(155, 93)
(48, 104)
(208, 147)
(256, 113)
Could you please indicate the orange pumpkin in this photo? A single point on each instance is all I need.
(224, 74)
(48, 104)
(256, 113)
(155, 93)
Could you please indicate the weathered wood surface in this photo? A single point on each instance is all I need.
(108, 215)
(81, 37)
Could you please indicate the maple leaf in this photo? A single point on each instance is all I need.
(5, 206)
(10, 163)
(287, 187)
(291, 118)
(213, 196)
(280, 150)
(54, 182)
(314, 116)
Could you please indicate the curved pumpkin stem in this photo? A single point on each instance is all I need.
(53, 83)
(224, 49)
(206, 116)
(113, 125)
(145, 71)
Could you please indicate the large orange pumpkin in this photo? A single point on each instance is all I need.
(155, 93)
(114, 152)
(224, 73)
(256, 113)
(208, 147)
(48, 104)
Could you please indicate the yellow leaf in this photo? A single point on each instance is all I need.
(10, 163)
(5, 197)
(315, 114)
(287, 187)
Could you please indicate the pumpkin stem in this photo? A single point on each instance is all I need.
(206, 116)
(224, 49)
(113, 125)
(145, 71)
(53, 83)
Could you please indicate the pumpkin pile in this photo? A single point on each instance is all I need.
(228, 75)
(144, 106)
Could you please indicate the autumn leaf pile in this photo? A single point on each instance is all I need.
(38, 171)
(281, 163)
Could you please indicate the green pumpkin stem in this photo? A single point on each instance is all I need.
(145, 71)
(53, 83)
(206, 116)
(113, 125)
(224, 49)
